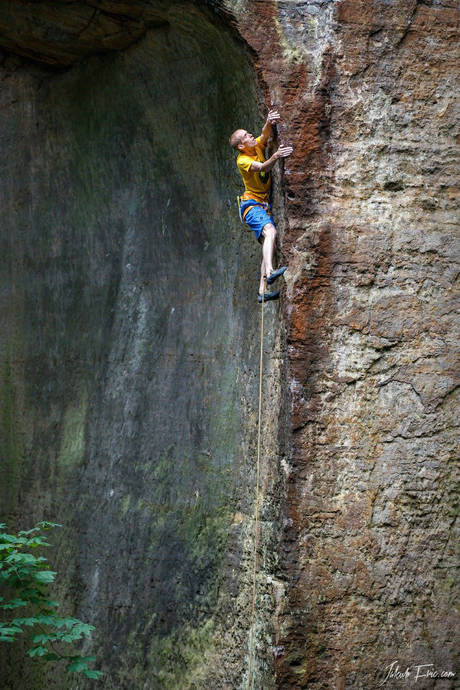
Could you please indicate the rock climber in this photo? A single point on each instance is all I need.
(255, 206)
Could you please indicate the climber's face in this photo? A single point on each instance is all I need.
(247, 141)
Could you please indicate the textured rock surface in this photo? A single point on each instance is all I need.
(104, 367)
(130, 347)
(368, 553)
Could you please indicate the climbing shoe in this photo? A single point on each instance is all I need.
(276, 274)
(268, 296)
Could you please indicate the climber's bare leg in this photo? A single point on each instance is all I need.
(268, 248)
(262, 286)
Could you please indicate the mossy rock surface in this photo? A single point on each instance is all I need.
(133, 284)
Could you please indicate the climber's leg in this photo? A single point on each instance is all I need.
(268, 247)
(263, 226)
(262, 286)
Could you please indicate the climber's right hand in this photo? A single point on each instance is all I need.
(284, 151)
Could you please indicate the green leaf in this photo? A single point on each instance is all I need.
(43, 637)
(45, 576)
(70, 637)
(53, 604)
(37, 651)
(48, 525)
(89, 673)
(83, 628)
(29, 621)
(11, 630)
(11, 538)
(24, 533)
(21, 558)
(14, 604)
(48, 619)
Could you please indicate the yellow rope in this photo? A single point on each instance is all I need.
(256, 536)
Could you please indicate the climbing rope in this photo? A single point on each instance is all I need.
(256, 536)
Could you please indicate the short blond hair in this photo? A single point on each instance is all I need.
(236, 138)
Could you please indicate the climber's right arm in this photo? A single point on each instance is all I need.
(282, 152)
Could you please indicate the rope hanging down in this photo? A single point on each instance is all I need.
(256, 536)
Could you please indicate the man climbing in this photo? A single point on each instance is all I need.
(255, 207)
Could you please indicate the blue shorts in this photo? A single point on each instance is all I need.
(257, 217)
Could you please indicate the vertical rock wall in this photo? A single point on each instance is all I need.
(130, 349)
(367, 90)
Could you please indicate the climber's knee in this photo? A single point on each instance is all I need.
(269, 230)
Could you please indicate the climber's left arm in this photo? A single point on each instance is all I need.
(272, 117)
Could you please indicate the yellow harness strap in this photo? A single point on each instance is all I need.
(239, 201)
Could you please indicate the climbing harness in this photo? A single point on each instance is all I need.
(242, 214)
(256, 535)
(239, 201)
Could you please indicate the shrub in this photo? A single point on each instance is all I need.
(25, 581)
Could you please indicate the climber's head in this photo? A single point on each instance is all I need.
(243, 141)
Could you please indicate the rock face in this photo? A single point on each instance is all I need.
(129, 337)
(131, 357)
(371, 337)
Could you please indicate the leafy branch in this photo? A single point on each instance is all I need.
(24, 583)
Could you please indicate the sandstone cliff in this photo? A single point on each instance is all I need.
(129, 335)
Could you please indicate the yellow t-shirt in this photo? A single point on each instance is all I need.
(256, 183)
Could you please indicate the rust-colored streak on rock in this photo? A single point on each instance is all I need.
(305, 107)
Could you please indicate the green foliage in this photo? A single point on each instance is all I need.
(24, 584)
